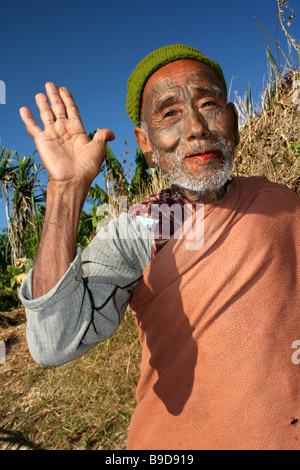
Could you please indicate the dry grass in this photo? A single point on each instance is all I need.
(86, 404)
(270, 143)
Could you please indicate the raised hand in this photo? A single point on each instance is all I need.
(65, 150)
(72, 161)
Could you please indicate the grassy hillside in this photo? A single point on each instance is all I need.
(270, 142)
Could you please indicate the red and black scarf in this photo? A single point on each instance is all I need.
(167, 197)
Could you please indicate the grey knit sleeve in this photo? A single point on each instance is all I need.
(87, 305)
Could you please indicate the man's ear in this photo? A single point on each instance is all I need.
(235, 122)
(143, 141)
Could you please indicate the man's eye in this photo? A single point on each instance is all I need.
(209, 103)
(170, 113)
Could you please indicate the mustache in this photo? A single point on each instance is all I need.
(212, 144)
(215, 144)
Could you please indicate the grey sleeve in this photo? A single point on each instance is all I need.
(87, 305)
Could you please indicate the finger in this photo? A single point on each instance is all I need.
(103, 136)
(57, 106)
(70, 105)
(46, 114)
(31, 126)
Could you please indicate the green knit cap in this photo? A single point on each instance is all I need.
(153, 62)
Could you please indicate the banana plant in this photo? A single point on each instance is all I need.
(115, 181)
(22, 190)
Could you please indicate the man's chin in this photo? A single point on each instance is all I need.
(210, 182)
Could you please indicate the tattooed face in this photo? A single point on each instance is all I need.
(188, 125)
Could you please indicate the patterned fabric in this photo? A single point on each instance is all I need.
(169, 209)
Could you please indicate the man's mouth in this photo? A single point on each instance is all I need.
(203, 157)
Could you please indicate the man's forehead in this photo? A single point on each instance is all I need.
(176, 74)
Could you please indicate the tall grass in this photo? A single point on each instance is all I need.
(270, 129)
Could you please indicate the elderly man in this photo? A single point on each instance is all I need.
(217, 322)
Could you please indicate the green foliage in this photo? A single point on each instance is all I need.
(85, 229)
(94, 216)
(16, 271)
(8, 299)
(6, 168)
(4, 253)
(21, 187)
(141, 174)
(8, 293)
(97, 195)
(33, 231)
(116, 182)
(4, 261)
(296, 146)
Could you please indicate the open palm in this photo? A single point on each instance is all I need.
(65, 150)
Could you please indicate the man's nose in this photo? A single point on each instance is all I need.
(195, 125)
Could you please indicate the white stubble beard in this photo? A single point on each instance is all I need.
(211, 182)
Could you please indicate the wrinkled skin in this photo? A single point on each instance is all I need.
(190, 129)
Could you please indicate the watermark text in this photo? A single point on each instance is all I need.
(2, 92)
(2, 352)
(296, 93)
(162, 220)
(296, 354)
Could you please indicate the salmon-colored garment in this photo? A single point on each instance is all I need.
(217, 327)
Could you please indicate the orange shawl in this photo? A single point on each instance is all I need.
(217, 327)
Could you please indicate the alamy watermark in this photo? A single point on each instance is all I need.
(296, 354)
(2, 352)
(296, 93)
(2, 92)
(162, 220)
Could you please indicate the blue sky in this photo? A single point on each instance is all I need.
(92, 46)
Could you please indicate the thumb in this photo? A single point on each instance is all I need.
(102, 136)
